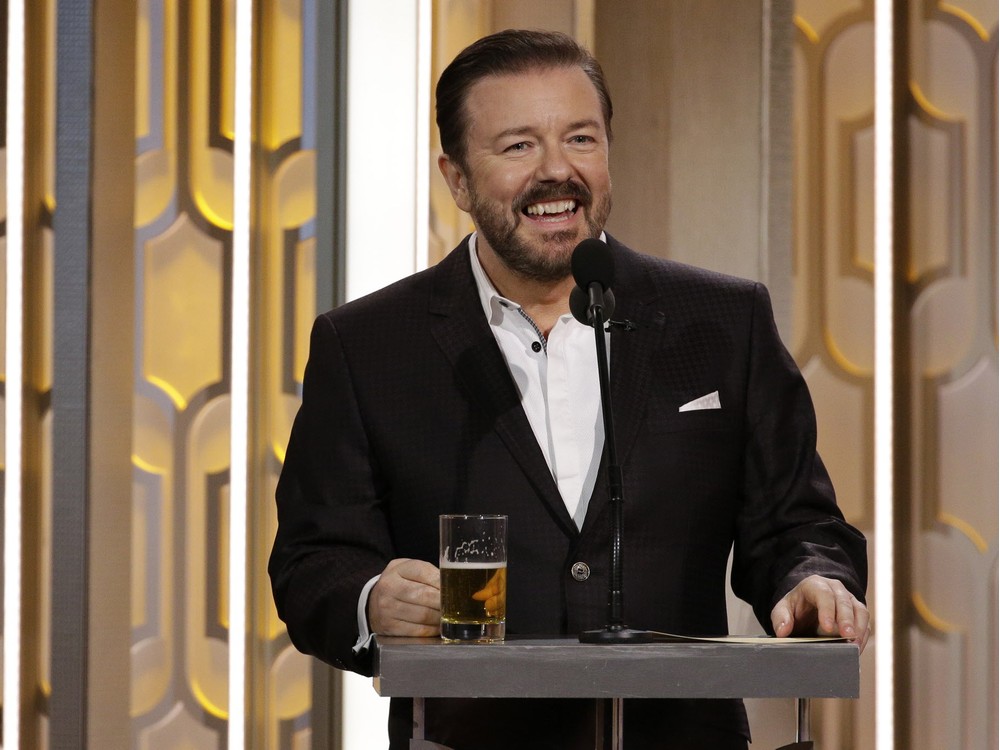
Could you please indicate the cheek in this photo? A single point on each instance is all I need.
(509, 186)
(504, 183)
(597, 176)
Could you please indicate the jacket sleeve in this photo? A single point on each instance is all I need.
(332, 534)
(790, 526)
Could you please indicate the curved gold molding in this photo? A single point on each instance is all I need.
(967, 18)
(965, 528)
(928, 616)
(812, 36)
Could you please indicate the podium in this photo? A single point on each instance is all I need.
(562, 667)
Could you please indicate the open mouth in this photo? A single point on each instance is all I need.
(551, 210)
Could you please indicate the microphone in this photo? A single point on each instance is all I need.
(592, 303)
(594, 272)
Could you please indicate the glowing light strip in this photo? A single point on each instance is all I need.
(240, 376)
(423, 135)
(14, 370)
(884, 272)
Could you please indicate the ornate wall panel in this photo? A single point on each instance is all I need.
(286, 292)
(183, 221)
(183, 247)
(833, 312)
(950, 291)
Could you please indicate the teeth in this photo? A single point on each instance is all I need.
(554, 207)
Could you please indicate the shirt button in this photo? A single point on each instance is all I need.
(536, 347)
(580, 571)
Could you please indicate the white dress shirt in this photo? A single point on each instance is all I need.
(560, 393)
(559, 387)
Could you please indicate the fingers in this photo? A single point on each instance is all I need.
(494, 587)
(781, 618)
(406, 600)
(822, 606)
(494, 593)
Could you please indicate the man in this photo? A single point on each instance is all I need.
(470, 388)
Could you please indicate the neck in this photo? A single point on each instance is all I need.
(544, 301)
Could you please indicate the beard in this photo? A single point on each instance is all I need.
(551, 261)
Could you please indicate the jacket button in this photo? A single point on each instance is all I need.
(580, 571)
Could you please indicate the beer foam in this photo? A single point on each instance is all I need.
(473, 565)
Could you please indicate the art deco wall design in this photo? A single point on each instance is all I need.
(183, 246)
(951, 360)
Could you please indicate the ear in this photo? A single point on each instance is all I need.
(454, 175)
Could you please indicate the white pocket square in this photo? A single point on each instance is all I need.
(708, 401)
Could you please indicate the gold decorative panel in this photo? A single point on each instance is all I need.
(178, 686)
(947, 683)
(952, 286)
(183, 284)
(181, 435)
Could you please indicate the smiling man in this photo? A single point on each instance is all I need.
(470, 388)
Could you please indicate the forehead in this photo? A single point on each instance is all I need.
(534, 98)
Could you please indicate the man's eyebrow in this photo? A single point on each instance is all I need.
(527, 129)
(589, 123)
(522, 130)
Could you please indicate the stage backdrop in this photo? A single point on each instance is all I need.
(744, 142)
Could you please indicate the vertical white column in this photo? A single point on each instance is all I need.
(387, 196)
(13, 366)
(239, 379)
(385, 163)
(884, 429)
(422, 136)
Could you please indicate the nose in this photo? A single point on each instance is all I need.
(553, 165)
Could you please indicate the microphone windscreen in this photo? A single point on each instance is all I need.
(579, 305)
(592, 262)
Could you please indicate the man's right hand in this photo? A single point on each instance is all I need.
(406, 600)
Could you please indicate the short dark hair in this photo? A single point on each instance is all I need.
(506, 53)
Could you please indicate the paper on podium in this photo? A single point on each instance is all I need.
(757, 640)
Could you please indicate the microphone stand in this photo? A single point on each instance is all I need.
(615, 632)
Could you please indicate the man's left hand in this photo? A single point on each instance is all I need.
(821, 606)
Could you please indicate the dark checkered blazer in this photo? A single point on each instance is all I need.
(409, 411)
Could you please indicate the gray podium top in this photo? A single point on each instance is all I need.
(561, 667)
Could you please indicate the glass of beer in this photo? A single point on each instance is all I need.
(473, 577)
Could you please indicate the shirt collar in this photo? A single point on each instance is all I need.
(492, 301)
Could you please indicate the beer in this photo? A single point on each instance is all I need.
(473, 567)
(460, 582)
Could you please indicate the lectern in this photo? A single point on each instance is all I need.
(562, 667)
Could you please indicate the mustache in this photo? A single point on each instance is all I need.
(546, 191)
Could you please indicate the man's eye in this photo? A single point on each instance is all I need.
(521, 146)
(581, 139)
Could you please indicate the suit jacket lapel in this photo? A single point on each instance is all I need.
(632, 349)
(460, 329)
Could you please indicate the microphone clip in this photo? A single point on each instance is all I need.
(626, 325)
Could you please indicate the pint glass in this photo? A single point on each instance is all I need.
(473, 577)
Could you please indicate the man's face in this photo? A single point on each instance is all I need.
(535, 178)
